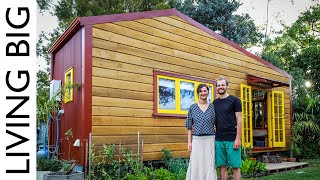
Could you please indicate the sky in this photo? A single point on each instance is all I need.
(280, 11)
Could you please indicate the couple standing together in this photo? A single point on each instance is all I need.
(214, 132)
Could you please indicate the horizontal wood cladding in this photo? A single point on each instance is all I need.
(132, 139)
(117, 52)
(123, 112)
(149, 59)
(127, 76)
(170, 47)
(158, 155)
(133, 121)
(170, 146)
(125, 130)
(124, 56)
(186, 32)
(120, 84)
(121, 93)
(147, 148)
(183, 26)
(117, 102)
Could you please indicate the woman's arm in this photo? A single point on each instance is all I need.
(189, 140)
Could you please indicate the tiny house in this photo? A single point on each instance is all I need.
(138, 72)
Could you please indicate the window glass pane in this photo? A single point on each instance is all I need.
(210, 94)
(167, 99)
(68, 84)
(186, 95)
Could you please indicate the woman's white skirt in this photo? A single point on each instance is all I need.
(202, 159)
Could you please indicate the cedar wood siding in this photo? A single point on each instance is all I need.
(124, 55)
(70, 55)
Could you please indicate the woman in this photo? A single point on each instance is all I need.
(201, 117)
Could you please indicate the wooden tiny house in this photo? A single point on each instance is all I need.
(139, 71)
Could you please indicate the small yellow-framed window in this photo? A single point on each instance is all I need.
(68, 81)
(175, 95)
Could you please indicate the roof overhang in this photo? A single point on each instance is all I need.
(264, 83)
(67, 34)
(91, 20)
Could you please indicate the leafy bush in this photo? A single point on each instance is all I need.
(248, 167)
(163, 174)
(136, 177)
(167, 156)
(261, 167)
(177, 166)
(105, 165)
(252, 167)
(45, 164)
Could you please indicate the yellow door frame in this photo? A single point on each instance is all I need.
(246, 100)
(278, 120)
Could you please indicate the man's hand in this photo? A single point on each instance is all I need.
(189, 146)
(236, 144)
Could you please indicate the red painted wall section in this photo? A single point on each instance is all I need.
(70, 55)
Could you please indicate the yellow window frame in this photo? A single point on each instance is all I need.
(68, 91)
(246, 100)
(278, 119)
(177, 110)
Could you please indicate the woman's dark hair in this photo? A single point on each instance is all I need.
(201, 86)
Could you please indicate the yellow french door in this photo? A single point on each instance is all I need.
(278, 126)
(246, 99)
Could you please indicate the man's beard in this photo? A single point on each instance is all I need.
(222, 93)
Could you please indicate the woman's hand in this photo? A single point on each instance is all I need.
(190, 146)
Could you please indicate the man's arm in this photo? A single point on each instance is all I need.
(237, 141)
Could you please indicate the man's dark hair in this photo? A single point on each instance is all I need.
(221, 79)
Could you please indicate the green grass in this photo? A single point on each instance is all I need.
(308, 173)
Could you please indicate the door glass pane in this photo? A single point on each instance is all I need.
(276, 123)
(186, 95)
(167, 98)
(258, 114)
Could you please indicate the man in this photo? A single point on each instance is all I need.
(228, 131)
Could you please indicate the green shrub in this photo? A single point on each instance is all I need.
(136, 177)
(251, 167)
(248, 167)
(163, 174)
(177, 166)
(167, 156)
(45, 164)
(261, 167)
(66, 166)
(110, 167)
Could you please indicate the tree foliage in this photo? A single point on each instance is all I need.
(67, 10)
(219, 15)
(216, 15)
(297, 50)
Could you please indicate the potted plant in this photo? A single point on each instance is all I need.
(64, 174)
(291, 158)
(48, 168)
(46, 165)
(67, 171)
(297, 152)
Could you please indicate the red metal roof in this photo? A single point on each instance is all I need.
(81, 21)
